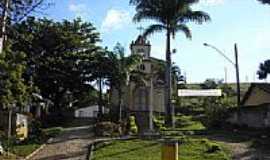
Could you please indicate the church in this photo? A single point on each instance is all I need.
(144, 94)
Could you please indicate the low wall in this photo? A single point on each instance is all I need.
(251, 116)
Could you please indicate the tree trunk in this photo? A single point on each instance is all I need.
(100, 98)
(167, 101)
(3, 24)
(9, 127)
(120, 105)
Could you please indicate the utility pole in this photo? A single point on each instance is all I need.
(237, 74)
(235, 64)
(225, 74)
(3, 24)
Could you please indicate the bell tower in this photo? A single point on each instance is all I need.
(141, 47)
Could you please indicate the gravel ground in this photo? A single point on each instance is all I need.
(243, 150)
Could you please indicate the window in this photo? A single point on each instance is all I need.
(142, 67)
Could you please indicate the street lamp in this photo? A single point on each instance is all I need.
(235, 64)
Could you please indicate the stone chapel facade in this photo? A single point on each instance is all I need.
(147, 94)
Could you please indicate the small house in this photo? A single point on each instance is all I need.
(89, 112)
(255, 107)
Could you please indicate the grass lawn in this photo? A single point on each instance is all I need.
(5, 157)
(24, 150)
(193, 149)
(188, 123)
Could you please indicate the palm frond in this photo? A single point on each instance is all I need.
(265, 1)
(184, 29)
(146, 15)
(153, 29)
(194, 16)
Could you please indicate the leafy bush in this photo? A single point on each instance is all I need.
(212, 147)
(132, 124)
(159, 123)
(107, 129)
(53, 132)
(216, 111)
(35, 132)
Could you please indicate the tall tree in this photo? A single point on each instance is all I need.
(19, 9)
(170, 16)
(121, 70)
(60, 55)
(14, 92)
(13, 89)
(14, 11)
(264, 69)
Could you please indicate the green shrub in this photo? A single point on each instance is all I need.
(212, 147)
(159, 123)
(35, 132)
(107, 129)
(133, 126)
(216, 110)
(53, 132)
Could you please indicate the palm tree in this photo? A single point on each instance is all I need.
(121, 68)
(265, 1)
(171, 16)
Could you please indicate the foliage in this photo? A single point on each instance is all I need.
(211, 84)
(18, 10)
(264, 69)
(216, 110)
(159, 123)
(107, 129)
(13, 89)
(120, 70)
(133, 128)
(183, 122)
(265, 1)
(61, 57)
(53, 132)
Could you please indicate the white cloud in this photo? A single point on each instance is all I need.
(212, 2)
(262, 38)
(115, 19)
(80, 10)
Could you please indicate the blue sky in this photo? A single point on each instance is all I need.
(245, 22)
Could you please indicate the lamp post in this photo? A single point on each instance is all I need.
(235, 64)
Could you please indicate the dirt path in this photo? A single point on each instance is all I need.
(71, 145)
(242, 149)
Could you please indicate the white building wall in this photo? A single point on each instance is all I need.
(88, 112)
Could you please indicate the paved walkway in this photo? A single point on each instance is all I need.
(71, 145)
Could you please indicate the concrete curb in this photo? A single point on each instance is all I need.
(37, 150)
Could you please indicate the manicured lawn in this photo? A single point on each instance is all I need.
(192, 149)
(5, 157)
(188, 123)
(24, 150)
